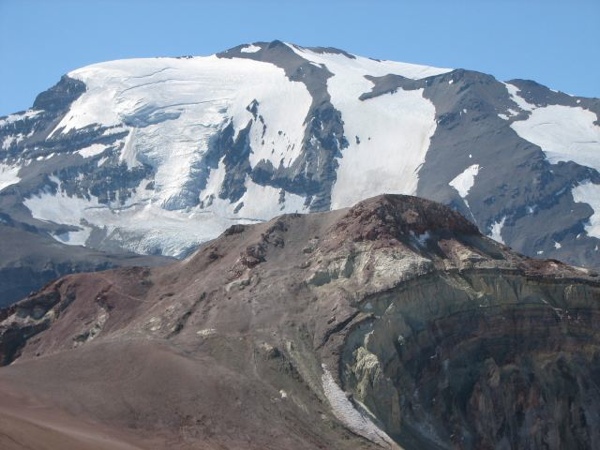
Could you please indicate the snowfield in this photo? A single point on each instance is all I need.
(388, 135)
(171, 109)
(564, 134)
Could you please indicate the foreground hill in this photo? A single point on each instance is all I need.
(394, 323)
(158, 155)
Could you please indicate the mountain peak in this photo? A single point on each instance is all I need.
(399, 216)
(159, 155)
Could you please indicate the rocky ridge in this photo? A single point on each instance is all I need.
(393, 323)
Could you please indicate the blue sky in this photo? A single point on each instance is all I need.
(554, 42)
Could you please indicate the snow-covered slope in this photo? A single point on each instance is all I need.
(169, 113)
(171, 109)
(158, 155)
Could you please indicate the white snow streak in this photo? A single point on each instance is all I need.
(496, 233)
(465, 180)
(250, 49)
(9, 175)
(92, 150)
(590, 193)
(520, 101)
(29, 114)
(352, 418)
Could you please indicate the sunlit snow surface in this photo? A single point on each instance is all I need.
(92, 150)
(141, 226)
(171, 108)
(250, 49)
(9, 175)
(496, 230)
(465, 180)
(590, 193)
(564, 133)
(12, 118)
(388, 135)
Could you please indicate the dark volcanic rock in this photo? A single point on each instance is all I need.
(392, 323)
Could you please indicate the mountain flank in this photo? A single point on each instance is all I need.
(391, 324)
(156, 156)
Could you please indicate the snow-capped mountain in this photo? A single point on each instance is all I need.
(158, 155)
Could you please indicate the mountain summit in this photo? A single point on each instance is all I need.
(155, 156)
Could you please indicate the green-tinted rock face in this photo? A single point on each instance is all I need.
(481, 360)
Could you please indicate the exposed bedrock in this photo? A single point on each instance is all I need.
(477, 360)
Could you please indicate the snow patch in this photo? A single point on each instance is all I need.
(262, 202)
(143, 226)
(465, 180)
(9, 175)
(514, 91)
(92, 150)
(250, 49)
(368, 65)
(421, 239)
(496, 233)
(564, 133)
(259, 203)
(400, 127)
(12, 118)
(589, 193)
(62, 209)
(74, 237)
(509, 114)
(346, 413)
(206, 332)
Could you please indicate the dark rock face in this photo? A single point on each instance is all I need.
(469, 360)
(394, 322)
(61, 96)
(31, 260)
